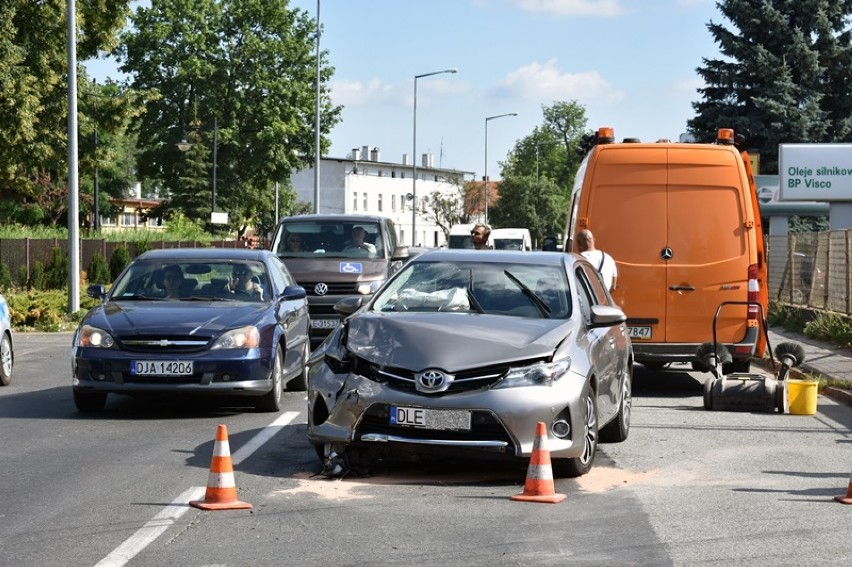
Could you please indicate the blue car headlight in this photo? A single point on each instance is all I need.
(244, 337)
(539, 374)
(93, 337)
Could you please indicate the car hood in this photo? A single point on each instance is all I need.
(137, 318)
(452, 341)
(336, 269)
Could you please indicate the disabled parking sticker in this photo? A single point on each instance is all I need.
(351, 268)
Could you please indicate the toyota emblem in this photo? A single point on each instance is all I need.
(433, 381)
(321, 289)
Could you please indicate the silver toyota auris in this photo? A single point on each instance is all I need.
(463, 352)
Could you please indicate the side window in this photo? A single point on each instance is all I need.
(391, 235)
(597, 287)
(585, 297)
(279, 275)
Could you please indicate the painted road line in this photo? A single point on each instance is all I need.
(134, 545)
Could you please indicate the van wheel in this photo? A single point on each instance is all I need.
(737, 366)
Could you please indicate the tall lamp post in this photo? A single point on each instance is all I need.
(485, 177)
(414, 155)
(184, 145)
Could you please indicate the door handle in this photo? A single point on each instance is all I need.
(681, 288)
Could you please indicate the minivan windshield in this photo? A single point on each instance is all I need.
(329, 239)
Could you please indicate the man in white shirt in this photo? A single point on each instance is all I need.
(358, 245)
(602, 261)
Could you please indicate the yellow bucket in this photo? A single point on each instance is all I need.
(802, 396)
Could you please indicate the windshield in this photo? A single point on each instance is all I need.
(329, 239)
(508, 243)
(184, 281)
(518, 290)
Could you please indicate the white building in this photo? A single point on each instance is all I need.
(362, 183)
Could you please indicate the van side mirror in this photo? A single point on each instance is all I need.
(400, 253)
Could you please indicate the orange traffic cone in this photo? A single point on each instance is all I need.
(539, 484)
(847, 498)
(221, 489)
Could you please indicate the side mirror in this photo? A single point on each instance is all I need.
(294, 292)
(606, 316)
(97, 291)
(400, 253)
(349, 305)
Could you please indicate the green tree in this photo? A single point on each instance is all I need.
(248, 65)
(98, 271)
(5, 277)
(539, 172)
(785, 75)
(117, 261)
(456, 206)
(34, 91)
(539, 206)
(56, 274)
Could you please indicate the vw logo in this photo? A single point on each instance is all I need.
(433, 381)
(321, 289)
(666, 253)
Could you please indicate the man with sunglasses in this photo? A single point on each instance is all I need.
(479, 236)
(243, 286)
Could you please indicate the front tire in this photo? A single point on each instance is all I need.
(6, 360)
(618, 429)
(271, 401)
(583, 464)
(300, 382)
(89, 402)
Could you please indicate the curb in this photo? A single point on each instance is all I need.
(842, 395)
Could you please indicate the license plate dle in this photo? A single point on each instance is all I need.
(425, 418)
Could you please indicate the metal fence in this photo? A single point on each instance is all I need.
(23, 253)
(812, 269)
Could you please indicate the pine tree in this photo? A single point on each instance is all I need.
(785, 77)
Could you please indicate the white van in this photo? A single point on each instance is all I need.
(511, 239)
(459, 236)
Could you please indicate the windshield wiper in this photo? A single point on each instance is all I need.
(543, 308)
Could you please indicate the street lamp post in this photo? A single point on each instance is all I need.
(414, 155)
(96, 218)
(184, 145)
(485, 177)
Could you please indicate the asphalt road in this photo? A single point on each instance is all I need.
(689, 487)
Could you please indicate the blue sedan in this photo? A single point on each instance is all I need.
(211, 321)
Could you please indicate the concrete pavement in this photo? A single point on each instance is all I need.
(822, 359)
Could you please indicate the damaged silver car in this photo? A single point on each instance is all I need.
(462, 353)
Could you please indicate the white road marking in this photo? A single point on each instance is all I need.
(134, 545)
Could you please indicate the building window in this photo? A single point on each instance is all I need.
(128, 219)
(355, 201)
(393, 203)
(393, 174)
(402, 175)
(365, 200)
(380, 203)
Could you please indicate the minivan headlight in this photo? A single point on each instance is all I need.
(244, 337)
(539, 374)
(369, 288)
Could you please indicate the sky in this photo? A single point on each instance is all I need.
(630, 63)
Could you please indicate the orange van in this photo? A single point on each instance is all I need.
(682, 222)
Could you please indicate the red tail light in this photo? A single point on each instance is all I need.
(753, 292)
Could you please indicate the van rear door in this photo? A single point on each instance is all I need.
(709, 244)
(628, 211)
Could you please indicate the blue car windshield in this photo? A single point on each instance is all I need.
(184, 281)
(518, 290)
